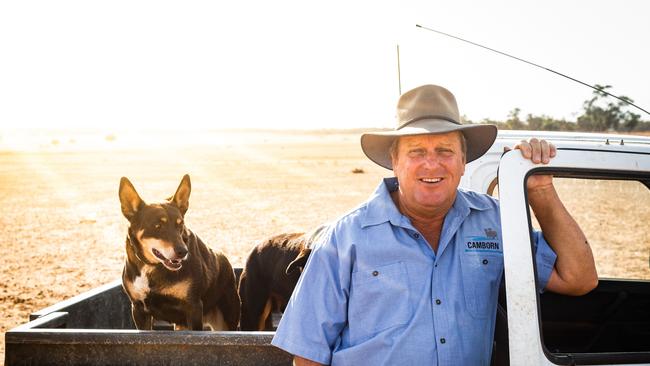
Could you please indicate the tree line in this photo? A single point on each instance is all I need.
(600, 113)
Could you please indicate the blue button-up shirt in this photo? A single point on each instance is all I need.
(373, 291)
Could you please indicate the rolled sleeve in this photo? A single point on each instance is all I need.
(317, 310)
(545, 259)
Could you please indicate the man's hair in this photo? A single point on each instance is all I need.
(395, 146)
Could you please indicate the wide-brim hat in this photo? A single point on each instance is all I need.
(428, 110)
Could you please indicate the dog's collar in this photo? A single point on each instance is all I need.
(135, 252)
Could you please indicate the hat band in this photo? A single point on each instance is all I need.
(428, 117)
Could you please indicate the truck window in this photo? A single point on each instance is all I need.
(611, 324)
(615, 217)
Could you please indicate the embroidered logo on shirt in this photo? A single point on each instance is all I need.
(487, 243)
(491, 234)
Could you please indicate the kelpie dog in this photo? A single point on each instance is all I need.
(271, 272)
(169, 273)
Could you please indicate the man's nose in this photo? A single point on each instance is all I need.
(432, 159)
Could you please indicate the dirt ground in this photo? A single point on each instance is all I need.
(63, 232)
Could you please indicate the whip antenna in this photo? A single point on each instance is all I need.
(536, 65)
(399, 76)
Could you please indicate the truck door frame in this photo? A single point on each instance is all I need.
(524, 322)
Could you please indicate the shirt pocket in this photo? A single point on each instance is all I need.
(379, 299)
(481, 276)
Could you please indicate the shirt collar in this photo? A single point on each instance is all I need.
(471, 200)
(380, 207)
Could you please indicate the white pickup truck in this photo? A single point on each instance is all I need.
(603, 180)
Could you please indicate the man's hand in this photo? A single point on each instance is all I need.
(538, 151)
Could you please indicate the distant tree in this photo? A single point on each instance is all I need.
(513, 122)
(535, 123)
(642, 126)
(630, 120)
(602, 113)
(466, 119)
(494, 122)
(546, 123)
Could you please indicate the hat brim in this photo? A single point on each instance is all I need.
(479, 139)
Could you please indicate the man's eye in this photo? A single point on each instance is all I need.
(417, 152)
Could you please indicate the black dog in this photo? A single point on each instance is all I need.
(271, 272)
(169, 273)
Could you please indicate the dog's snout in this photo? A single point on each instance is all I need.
(181, 252)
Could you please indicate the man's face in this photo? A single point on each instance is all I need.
(429, 168)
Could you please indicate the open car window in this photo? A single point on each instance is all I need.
(614, 318)
(615, 217)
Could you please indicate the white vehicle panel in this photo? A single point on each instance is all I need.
(480, 173)
(523, 319)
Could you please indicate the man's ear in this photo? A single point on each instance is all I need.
(181, 198)
(299, 262)
(129, 199)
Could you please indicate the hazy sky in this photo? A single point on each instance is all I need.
(306, 64)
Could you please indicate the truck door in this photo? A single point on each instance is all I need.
(611, 324)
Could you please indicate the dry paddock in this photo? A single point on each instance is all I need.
(63, 232)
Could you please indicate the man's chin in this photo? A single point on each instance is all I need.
(436, 201)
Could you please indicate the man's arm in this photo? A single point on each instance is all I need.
(299, 361)
(575, 269)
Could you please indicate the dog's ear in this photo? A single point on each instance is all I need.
(299, 262)
(181, 198)
(129, 199)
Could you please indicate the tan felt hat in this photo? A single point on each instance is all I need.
(427, 110)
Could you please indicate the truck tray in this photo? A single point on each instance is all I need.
(96, 328)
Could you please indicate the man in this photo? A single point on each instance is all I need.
(393, 283)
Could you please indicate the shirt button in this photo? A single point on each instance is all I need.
(442, 340)
(485, 261)
(416, 235)
(375, 273)
(438, 302)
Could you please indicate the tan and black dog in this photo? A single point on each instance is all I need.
(169, 273)
(271, 272)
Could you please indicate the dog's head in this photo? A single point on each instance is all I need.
(308, 241)
(299, 262)
(157, 231)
